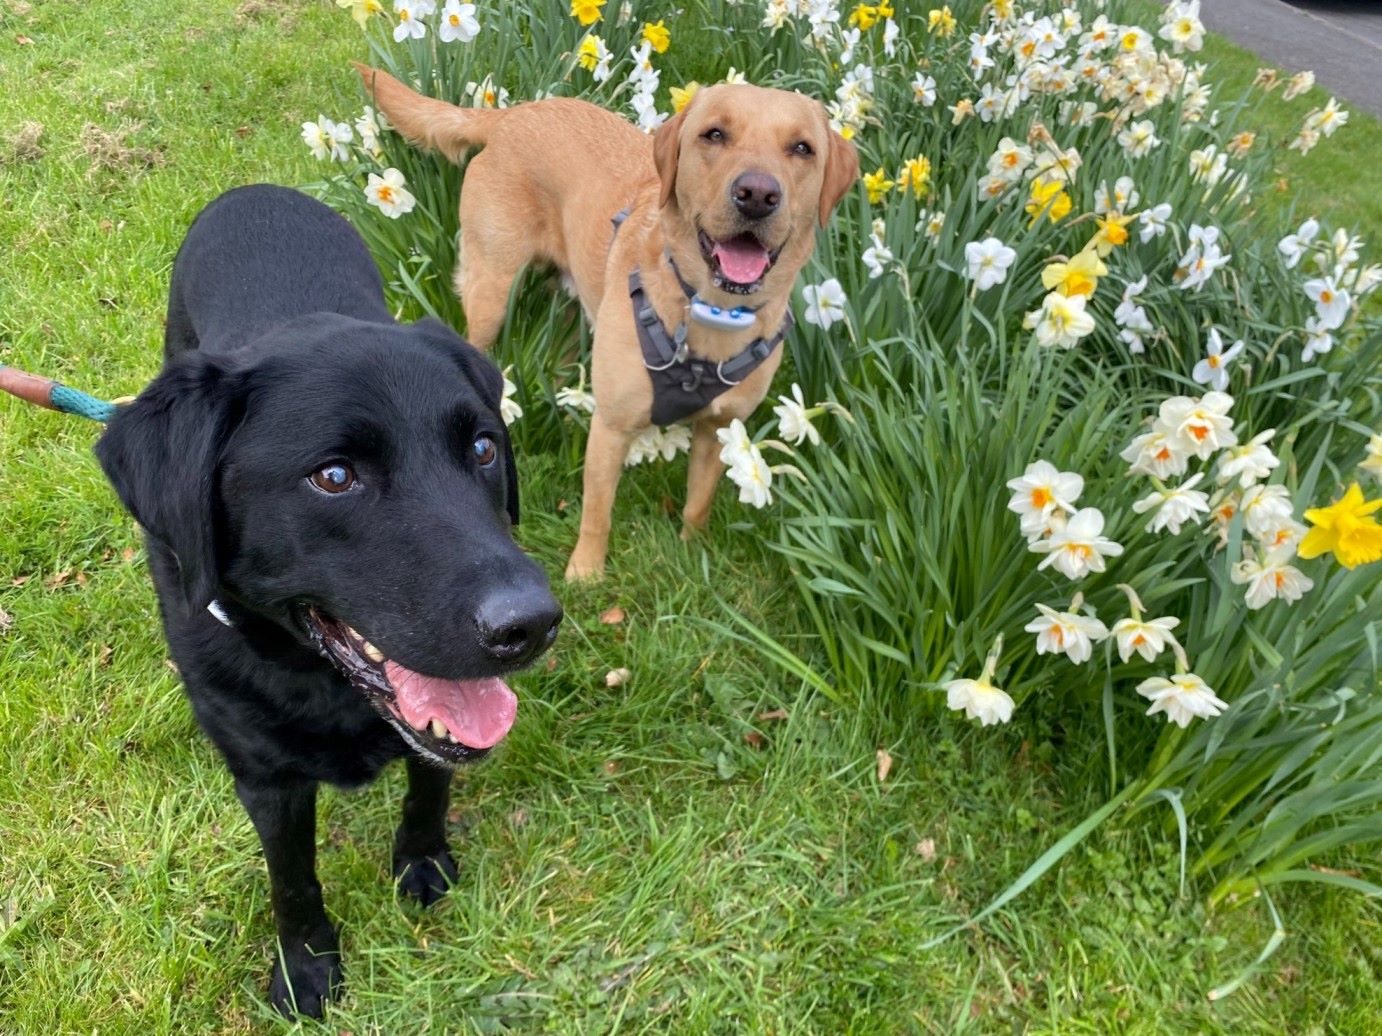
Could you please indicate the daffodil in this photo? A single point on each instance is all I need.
(1297, 85)
(458, 23)
(980, 699)
(1067, 632)
(594, 57)
(1174, 507)
(587, 12)
(1156, 453)
(410, 24)
(825, 303)
(1079, 276)
(924, 90)
(389, 194)
(1266, 508)
(1147, 638)
(878, 185)
(1182, 698)
(1199, 426)
(1372, 460)
(916, 175)
(509, 408)
(1213, 369)
(657, 35)
(878, 255)
(1112, 232)
(1061, 320)
(1138, 138)
(681, 95)
(1041, 492)
(988, 261)
(794, 418)
(1152, 222)
(1346, 529)
(865, 16)
(327, 139)
(940, 22)
(1250, 462)
(361, 10)
(1270, 577)
(1078, 546)
(1048, 198)
(1331, 302)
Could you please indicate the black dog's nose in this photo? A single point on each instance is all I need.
(756, 195)
(516, 627)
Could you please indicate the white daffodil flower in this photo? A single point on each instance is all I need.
(1266, 509)
(1294, 246)
(1040, 492)
(1078, 546)
(1174, 507)
(1147, 638)
(1199, 426)
(825, 303)
(327, 139)
(794, 419)
(988, 261)
(1270, 577)
(1157, 454)
(1213, 369)
(1182, 698)
(389, 193)
(1068, 633)
(980, 699)
(1249, 462)
(458, 23)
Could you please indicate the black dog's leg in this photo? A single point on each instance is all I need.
(422, 863)
(308, 967)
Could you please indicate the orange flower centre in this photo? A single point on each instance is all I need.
(385, 193)
(1041, 496)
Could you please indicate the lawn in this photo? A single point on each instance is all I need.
(706, 848)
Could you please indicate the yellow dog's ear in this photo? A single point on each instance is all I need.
(667, 154)
(841, 170)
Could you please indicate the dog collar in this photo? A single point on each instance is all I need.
(707, 314)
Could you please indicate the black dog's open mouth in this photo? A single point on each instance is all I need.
(449, 720)
(737, 264)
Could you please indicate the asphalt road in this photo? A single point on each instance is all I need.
(1339, 40)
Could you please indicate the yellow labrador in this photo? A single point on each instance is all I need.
(719, 212)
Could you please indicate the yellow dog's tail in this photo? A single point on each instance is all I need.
(425, 121)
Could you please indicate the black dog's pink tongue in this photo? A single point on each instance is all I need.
(742, 259)
(478, 713)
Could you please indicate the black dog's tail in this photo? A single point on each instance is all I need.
(433, 124)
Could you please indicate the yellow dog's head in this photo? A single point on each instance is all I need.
(747, 175)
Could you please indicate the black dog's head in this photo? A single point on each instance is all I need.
(354, 484)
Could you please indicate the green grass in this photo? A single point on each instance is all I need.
(630, 859)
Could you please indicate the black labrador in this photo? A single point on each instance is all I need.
(326, 496)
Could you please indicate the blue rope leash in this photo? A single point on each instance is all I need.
(54, 395)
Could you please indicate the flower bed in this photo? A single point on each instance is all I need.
(1056, 276)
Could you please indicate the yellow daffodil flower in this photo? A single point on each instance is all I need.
(681, 95)
(1048, 198)
(587, 12)
(656, 33)
(1079, 276)
(877, 184)
(1113, 231)
(941, 22)
(361, 10)
(864, 17)
(1346, 529)
(916, 174)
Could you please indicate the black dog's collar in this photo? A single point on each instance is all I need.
(684, 383)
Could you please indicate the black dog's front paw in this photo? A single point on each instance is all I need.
(424, 878)
(303, 981)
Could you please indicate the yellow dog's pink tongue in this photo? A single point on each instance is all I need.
(742, 259)
(478, 713)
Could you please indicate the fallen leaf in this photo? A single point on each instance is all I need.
(107, 652)
(753, 739)
(6, 620)
(562, 505)
(58, 579)
(926, 849)
(127, 555)
(613, 617)
(519, 818)
(885, 764)
(172, 667)
(551, 663)
(611, 767)
(773, 714)
(19, 580)
(242, 132)
(617, 677)
(23, 40)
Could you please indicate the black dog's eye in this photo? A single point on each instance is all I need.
(802, 148)
(715, 135)
(485, 450)
(334, 478)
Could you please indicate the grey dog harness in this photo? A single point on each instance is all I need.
(684, 383)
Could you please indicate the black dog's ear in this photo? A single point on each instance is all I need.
(488, 379)
(161, 454)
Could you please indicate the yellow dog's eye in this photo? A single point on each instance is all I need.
(802, 148)
(715, 135)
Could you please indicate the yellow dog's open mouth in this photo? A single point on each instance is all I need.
(450, 721)
(737, 264)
